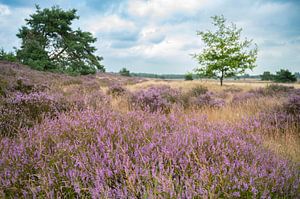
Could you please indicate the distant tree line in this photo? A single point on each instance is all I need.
(284, 76)
(163, 76)
(7, 56)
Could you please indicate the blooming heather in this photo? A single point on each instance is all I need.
(106, 154)
(155, 98)
(21, 110)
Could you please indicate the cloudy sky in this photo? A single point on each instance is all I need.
(159, 36)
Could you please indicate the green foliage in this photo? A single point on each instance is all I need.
(7, 56)
(49, 43)
(124, 72)
(284, 76)
(224, 55)
(188, 77)
(267, 76)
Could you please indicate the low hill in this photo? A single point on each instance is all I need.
(12, 74)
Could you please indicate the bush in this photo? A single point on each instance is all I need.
(271, 90)
(155, 98)
(292, 105)
(3, 87)
(22, 110)
(188, 77)
(275, 89)
(207, 100)
(116, 90)
(197, 90)
(244, 97)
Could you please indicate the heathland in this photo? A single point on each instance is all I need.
(109, 136)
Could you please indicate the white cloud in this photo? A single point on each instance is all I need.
(159, 35)
(111, 23)
(4, 10)
(10, 23)
(163, 8)
(152, 35)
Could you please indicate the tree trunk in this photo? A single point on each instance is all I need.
(222, 77)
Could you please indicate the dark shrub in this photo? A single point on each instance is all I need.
(24, 86)
(275, 89)
(116, 90)
(24, 110)
(292, 105)
(3, 87)
(198, 90)
(271, 90)
(188, 77)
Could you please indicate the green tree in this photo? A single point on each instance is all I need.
(124, 72)
(188, 77)
(284, 76)
(7, 56)
(267, 76)
(49, 43)
(224, 55)
(297, 74)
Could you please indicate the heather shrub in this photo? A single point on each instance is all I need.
(197, 90)
(3, 87)
(21, 110)
(277, 88)
(116, 90)
(25, 86)
(105, 154)
(243, 97)
(155, 98)
(207, 100)
(284, 116)
(292, 105)
(80, 99)
(272, 90)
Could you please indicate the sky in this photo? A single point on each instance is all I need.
(159, 36)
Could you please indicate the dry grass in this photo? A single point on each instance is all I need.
(213, 85)
(287, 144)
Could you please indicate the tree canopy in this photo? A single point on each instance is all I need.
(49, 43)
(224, 55)
(267, 76)
(124, 72)
(285, 76)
